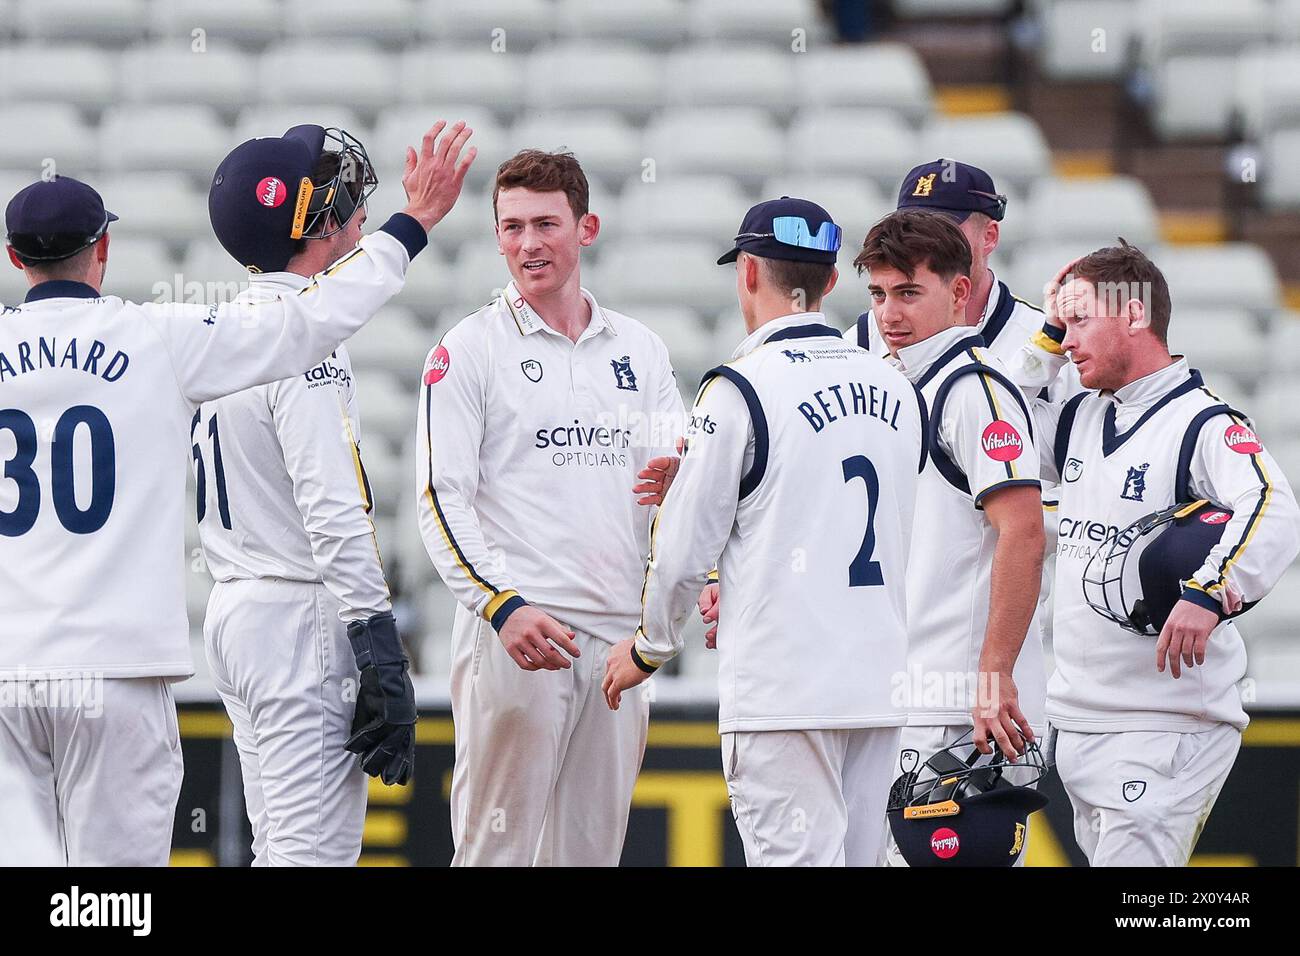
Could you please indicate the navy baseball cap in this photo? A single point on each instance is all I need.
(259, 197)
(55, 218)
(786, 228)
(954, 188)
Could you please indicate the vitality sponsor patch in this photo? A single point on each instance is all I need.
(1242, 440)
(944, 843)
(437, 366)
(1002, 442)
(1215, 517)
(271, 192)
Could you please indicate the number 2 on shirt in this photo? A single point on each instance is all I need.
(864, 572)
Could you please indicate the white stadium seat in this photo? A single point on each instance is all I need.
(433, 75)
(689, 340)
(101, 22)
(1227, 275)
(67, 73)
(873, 143)
(402, 126)
(162, 205)
(311, 72)
(719, 74)
(169, 138)
(1174, 27)
(480, 273)
(641, 21)
(925, 9)
(1034, 265)
(1008, 146)
(641, 270)
(1266, 93)
(1193, 96)
(139, 270)
(223, 22)
(49, 131)
(1274, 412)
(430, 284)
(855, 205)
(275, 120)
(742, 142)
(889, 75)
(511, 24)
(771, 21)
(393, 342)
(1091, 210)
(387, 21)
(170, 72)
(1286, 19)
(1221, 342)
(387, 409)
(596, 74)
(209, 268)
(470, 220)
(708, 208)
(603, 141)
(1087, 39)
(388, 481)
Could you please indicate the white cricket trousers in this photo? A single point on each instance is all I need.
(810, 797)
(1141, 798)
(89, 774)
(544, 769)
(281, 661)
(919, 744)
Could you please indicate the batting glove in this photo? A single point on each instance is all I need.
(383, 728)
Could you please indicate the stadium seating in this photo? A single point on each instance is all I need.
(165, 206)
(247, 23)
(1090, 211)
(596, 74)
(103, 21)
(456, 74)
(608, 144)
(1009, 146)
(703, 207)
(741, 141)
(386, 21)
(163, 138)
(403, 126)
(872, 143)
(521, 22)
(78, 74)
(886, 75)
(321, 71)
(731, 75)
(769, 21)
(393, 342)
(1072, 46)
(169, 71)
(52, 133)
(640, 21)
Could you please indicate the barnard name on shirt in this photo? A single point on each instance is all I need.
(62, 354)
(835, 402)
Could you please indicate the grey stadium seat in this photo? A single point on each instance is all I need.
(691, 207)
(366, 75)
(1175, 27)
(604, 142)
(740, 141)
(185, 138)
(1221, 342)
(140, 270)
(402, 126)
(243, 22)
(37, 132)
(393, 342)
(430, 284)
(274, 120)
(104, 21)
(65, 73)
(170, 72)
(1266, 93)
(1073, 50)
(387, 409)
(432, 75)
(889, 75)
(1193, 96)
(770, 21)
(166, 206)
(1008, 146)
(1228, 275)
(718, 74)
(872, 143)
(1091, 210)
(597, 74)
(642, 21)
(525, 22)
(689, 340)
(387, 21)
(638, 270)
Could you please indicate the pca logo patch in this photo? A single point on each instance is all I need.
(1135, 483)
(1073, 469)
(624, 377)
(1242, 440)
(437, 366)
(1133, 790)
(944, 843)
(532, 370)
(1002, 442)
(271, 192)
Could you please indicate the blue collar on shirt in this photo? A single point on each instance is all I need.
(61, 289)
(1112, 439)
(961, 345)
(812, 330)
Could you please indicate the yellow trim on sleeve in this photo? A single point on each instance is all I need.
(1045, 342)
(1240, 548)
(490, 609)
(1190, 508)
(713, 576)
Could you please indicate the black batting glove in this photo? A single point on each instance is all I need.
(383, 727)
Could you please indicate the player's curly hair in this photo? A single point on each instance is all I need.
(544, 172)
(1123, 272)
(908, 239)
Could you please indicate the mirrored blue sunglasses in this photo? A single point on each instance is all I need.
(794, 231)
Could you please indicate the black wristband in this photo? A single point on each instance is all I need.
(640, 662)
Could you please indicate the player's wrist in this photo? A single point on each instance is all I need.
(499, 609)
(1201, 599)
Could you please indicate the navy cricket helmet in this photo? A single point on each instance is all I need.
(263, 200)
(1136, 577)
(964, 808)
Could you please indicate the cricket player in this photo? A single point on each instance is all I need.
(97, 396)
(537, 414)
(284, 520)
(974, 658)
(1148, 729)
(798, 484)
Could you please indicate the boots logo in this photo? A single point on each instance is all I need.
(944, 843)
(1242, 440)
(1135, 483)
(532, 370)
(1002, 442)
(271, 192)
(1133, 790)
